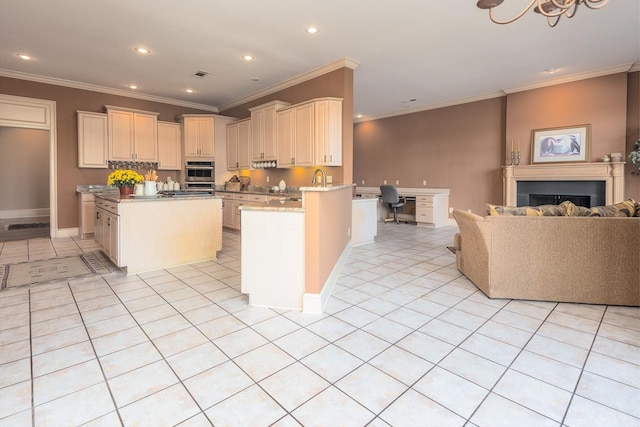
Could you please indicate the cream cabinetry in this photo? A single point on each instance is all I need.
(86, 223)
(231, 203)
(169, 148)
(198, 132)
(432, 209)
(310, 134)
(295, 136)
(133, 134)
(238, 145)
(263, 130)
(92, 140)
(328, 132)
(106, 231)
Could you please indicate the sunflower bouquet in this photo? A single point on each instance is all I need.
(124, 178)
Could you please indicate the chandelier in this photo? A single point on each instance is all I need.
(552, 9)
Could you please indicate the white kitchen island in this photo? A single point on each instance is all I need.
(151, 233)
(293, 252)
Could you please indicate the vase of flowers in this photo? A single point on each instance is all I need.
(634, 156)
(125, 180)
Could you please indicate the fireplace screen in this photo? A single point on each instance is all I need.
(581, 193)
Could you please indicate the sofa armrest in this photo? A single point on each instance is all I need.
(472, 259)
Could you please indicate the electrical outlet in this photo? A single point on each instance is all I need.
(424, 182)
(384, 182)
(363, 182)
(267, 178)
(329, 179)
(397, 182)
(450, 210)
(468, 210)
(349, 232)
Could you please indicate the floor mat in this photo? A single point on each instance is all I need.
(23, 226)
(53, 270)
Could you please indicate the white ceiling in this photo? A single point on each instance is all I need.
(438, 52)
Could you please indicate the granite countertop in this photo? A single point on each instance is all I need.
(262, 193)
(95, 188)
(276, 205)
(117, 198)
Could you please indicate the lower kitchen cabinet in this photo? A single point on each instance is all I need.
(231, 203)
(106, 231)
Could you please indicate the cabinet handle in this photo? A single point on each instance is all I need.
(325, 157)
(97, 215)
(237, 164)
(109, 222)
(331, 158)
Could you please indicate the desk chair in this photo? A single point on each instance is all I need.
(391, 198)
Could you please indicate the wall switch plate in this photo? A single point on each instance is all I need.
(384, 182)
(363, 182)
(267, 178)
(450, 210)
(424, 182)
(397, 182)
(329, 179)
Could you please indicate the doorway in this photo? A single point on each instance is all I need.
(24, 192)
(37, 114)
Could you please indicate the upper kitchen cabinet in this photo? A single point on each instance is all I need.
(133, 134)
(169, 148)
(92, 140)
(295, 135)
(238, 141)
(198, 132)
(328, 131)
(263, 130)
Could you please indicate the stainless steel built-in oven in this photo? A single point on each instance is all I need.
(200, 175)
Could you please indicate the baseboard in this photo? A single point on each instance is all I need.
(23, 213)
(315, 303)
(66, 232)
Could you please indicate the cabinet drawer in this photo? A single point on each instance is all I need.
(424, 204)
(110, 207)
(428, 199)
(424, 214)
(261, 198)
(237, 196)
(224, 196)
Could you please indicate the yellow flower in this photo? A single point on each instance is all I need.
(124, 177)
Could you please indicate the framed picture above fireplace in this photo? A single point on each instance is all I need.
(560, 145)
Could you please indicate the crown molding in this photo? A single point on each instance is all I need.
(316, 72)
(104, 89)
(431, 107)
(635, 67)
(624, 68)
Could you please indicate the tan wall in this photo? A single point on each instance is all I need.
(464, 147)
(24, 168)
(327, 226)
(68, 101)
(457, 147)
(339, 84)
(632, 182)
(600, 102)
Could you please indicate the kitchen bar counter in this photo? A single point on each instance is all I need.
(143, 234)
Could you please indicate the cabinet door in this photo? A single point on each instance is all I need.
(257, 125)
(227, 213)
(232, 147)
(120, 135)
(86, 218)
(286, 138)
(244, 139)
(269, 146)
(146, 137)
(112, 237)
(92, 140)
(98, 227)
(169, 153)
(236, 213)
(206, 137)
(304, 134)
(191, 132)
(334, 134)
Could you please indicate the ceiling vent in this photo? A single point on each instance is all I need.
(200, 74)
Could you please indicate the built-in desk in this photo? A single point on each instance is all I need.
(431, 204)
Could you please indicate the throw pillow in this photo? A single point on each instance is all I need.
(628, 207)
(608, 210)
(552, 210)
(574, 210)
(495, 210)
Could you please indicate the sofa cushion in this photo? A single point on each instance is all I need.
(496, 210)
(553, 210)
(572, 209)
(637, 209)
(628, 207)
(609, 210)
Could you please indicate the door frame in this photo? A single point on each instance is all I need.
(32, 113)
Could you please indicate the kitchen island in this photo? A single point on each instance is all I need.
(293, 251)
(148, 233)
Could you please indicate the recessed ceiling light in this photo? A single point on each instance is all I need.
(142, 50)
(189, 90)
(312, 30)
(550, 70)
(132, 86)
(359, 116)
(25, 56)
(247, 57)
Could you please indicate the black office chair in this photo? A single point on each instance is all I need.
(391, 198)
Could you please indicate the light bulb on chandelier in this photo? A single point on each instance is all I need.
(552, 9)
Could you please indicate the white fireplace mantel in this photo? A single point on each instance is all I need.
(612, 173)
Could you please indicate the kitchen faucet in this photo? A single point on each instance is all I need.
(324, 177)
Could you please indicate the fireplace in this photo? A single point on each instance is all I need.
(602, 182)
(581, 193)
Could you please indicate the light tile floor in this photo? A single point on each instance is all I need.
(405, 341)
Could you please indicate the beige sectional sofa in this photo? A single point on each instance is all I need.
(591, 260)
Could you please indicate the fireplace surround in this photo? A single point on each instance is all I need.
(610, 173)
